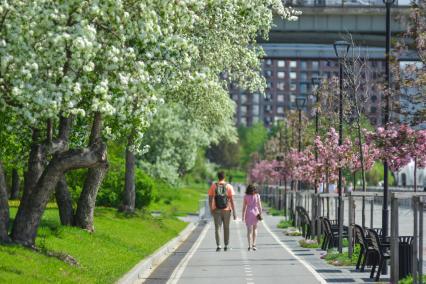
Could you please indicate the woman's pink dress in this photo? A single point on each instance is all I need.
(253, 204)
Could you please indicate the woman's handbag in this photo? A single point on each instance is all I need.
(259, 217)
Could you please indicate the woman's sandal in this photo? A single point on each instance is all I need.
(249, 248)
(254, 248)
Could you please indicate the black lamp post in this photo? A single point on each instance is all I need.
(316, 81)
(385, 211)
(341, 48)
(300, 104)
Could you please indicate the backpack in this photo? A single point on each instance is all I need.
(221, 197)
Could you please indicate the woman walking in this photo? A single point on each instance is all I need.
(252, 209)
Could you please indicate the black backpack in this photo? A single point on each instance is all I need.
(220, 197)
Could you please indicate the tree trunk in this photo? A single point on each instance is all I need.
(31, 209)
(35, 165)
(84, 217)
(64, 201)
(86, 203)
(4, 208)
(14, 194)
(129, 194)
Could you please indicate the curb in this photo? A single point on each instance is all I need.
(146, 266)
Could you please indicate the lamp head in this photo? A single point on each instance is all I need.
(390, 2)
(341, 48)
(300, 102)
(316, 81)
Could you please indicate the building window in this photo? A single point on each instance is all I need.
(292, 98)
(280, 110)
(256, 98)
(255, 119)
(374, 98)
(235, 97)
(255, 110)
(293, 64)
(267, 73)
(303, 88)
(243, 99)
(281, 63)
(280, 98)
(315, 65)
(280, 86)
(281, 75)
(269, 85)
(243, 110)
(373, 109)
(303, 65)
(293, 75)
(293, 87)
(303, 76)
(268, 62)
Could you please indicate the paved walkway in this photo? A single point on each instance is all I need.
(279, 259)
(271, 263)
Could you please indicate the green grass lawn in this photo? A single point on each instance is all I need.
(104, 256)
(179, 201)
(238, 176)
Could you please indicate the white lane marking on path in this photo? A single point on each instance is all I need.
(304, 263)
(244, 254)
(177, 273)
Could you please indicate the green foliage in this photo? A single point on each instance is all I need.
(238, 176)
(177, 201)
(252, 140)
(409, 280)
(110, 193)
(104, 256)
(275, 212)
(309, 243)
(174, 142)
(203, 170)
(342, 259)
(284, 224)
(225, 154)
(375, 175)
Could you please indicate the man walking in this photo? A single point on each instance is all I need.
(221, 202)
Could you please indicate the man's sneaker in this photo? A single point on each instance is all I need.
(226, 248)
(219, 248)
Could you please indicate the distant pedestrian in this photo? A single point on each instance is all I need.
(252, 213)
(221, 202)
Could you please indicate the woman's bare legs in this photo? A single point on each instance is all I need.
(254, 235)
(249, 234)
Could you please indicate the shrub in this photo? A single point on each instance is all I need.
(145, 189)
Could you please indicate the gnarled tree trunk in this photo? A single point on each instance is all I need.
(14, 192)
(84, 217)
(32, 207)
(129, 194)
(4, 208)
(64, 201)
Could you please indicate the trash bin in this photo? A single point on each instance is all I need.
(405, 256)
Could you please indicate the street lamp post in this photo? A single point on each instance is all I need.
(300, 104)
(316, 81)
(341, 48)
(385, 211)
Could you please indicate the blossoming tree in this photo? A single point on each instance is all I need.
(84, 72)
